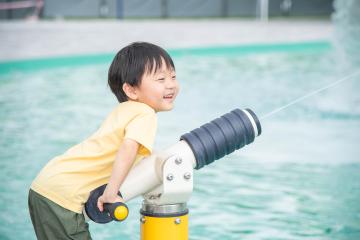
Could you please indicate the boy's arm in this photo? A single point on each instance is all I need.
(124, 160)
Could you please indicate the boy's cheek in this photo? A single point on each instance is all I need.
(176, 93)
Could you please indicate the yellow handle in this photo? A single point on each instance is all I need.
(121, 212)
(118, 211)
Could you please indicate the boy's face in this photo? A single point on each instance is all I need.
(158, 89)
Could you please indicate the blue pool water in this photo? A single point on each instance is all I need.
(299, 180)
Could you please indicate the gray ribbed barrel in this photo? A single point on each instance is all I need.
(222, 136)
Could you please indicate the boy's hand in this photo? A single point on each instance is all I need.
(107, 199)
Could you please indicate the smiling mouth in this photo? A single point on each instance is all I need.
(169, 96)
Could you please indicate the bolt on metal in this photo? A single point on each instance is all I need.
(178, 160)
(187, 176)
(170, 177)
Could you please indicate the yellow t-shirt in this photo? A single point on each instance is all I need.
(69, 178)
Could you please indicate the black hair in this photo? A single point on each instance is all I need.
(130, 64)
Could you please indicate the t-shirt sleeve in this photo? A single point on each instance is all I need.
(142, 129)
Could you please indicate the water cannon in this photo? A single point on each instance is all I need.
(165, 178)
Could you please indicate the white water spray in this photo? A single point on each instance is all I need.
(348, 77)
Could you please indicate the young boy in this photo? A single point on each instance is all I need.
(142, 77)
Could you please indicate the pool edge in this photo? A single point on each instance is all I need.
(36, 64)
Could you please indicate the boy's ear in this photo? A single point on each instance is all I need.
(130, 91)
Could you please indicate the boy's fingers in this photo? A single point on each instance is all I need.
(100, 205)
(100, 202)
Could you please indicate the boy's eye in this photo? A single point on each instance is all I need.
(161, 79)
(173, 77)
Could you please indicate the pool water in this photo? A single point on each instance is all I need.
(299, 180)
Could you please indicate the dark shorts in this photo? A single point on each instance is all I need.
(52, 221)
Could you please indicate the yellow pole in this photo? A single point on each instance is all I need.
(164, 222)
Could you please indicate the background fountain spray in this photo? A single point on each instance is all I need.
(346, 19)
